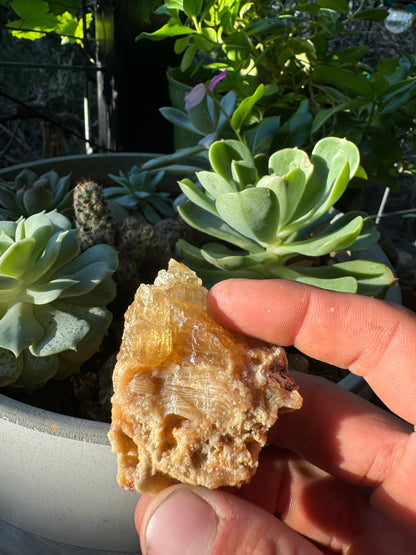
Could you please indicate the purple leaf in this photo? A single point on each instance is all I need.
(216, 79)
(195, 96)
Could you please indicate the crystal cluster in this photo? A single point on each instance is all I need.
(192, 401)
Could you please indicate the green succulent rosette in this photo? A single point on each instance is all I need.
(53, 299)
(30, 194)
(280, 221)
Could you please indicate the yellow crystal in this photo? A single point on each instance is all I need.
(192, 401)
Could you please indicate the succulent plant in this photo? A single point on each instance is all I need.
(282, 221)
(52, 299)
(137, 191)
(30, 194)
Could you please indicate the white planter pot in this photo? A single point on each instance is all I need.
(59, 493)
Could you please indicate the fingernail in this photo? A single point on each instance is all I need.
(183, 524)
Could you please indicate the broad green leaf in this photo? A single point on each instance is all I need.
(335, 238)
(170, 29)
(216, 227)
(44, 293)
(243, 173)
(10, 367)
(35, 19)
(224, 258)
(237, 47)
(60, 249)
(197, 196)
(324, 115)
(104, 255)
(260, 136)
(245, 108)
(283, 162)
(19, 328)
(222, 153)
(374, 14)
(100, 296)
(15, 260)
(336, 5)
(345, 80)
(36, 371)
(253, 212)
(296, 130)
(192, 8)
(372, 278)
(214, 184)
(62, 329)
(289, 192)
(179, 118)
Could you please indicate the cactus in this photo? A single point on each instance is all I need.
(29, 194)
(92, 215)
(52, 299)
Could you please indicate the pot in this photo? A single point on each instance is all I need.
(59, 491)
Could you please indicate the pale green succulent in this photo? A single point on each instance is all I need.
(29, 194)
(282, 219)
(52, 299)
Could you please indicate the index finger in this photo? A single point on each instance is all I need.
(372, 338)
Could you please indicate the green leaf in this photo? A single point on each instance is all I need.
(170, 29)
(192, 8)
(35, 16)
(375, 14)
(336, 5)
(289, 192)
(36, 371)
(44, 293)
(19, 328)
(244, 110)
(335, 238)
(216, 227)
(179, 118)
(345, 80)
(198, 197)
(296, 130)
(253, 212)
(103, 254)
(261, 135)
(63, 326)
(214, 184)
(14, 261)
(10, 367)
(222, 153)
(324, 115)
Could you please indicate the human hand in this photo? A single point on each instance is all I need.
(340, 473)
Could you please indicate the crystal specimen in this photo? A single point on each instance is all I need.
(192, 401)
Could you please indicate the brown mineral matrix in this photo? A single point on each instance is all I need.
(192, 401)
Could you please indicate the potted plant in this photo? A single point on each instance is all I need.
(79, 505)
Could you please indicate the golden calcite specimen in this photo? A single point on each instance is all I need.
(192, 401)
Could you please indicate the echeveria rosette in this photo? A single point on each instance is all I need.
(53, 299)
(30, 194)
(281, 219)
(137, 192)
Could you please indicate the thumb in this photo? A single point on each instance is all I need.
(185, 520)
